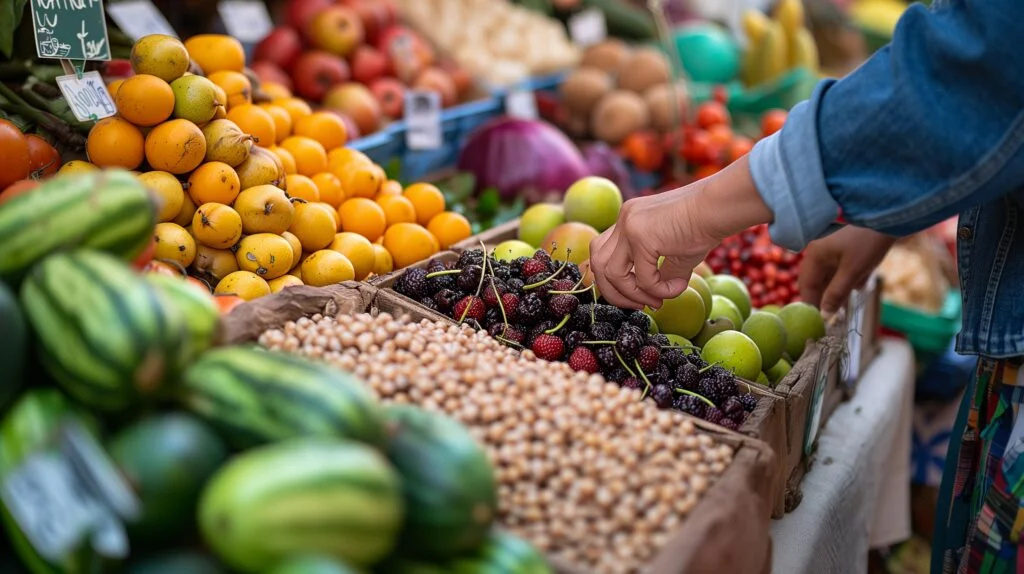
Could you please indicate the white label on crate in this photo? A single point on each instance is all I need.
(817, 401)
(855, 336)
(247, 20)
(139, 18)
(588, 27)
(87, 96)
(521, 104)
(423, 120)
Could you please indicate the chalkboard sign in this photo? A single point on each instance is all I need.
(70, 29)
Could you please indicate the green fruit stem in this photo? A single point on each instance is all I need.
(625, 366)
(693, 394)
(549, 279)
(557, 327)
(598, 342)
(573, 292)
(647, 382)
(445, 272)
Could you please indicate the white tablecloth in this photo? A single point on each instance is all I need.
(857, 494)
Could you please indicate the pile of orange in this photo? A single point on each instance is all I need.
(258, 197)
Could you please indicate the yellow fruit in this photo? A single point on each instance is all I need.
(361, 179)
(196, 99)
(282, 120)
(173, 243)
(313, 226)
(803, 50)
(449, 228)
(175, 146)
(213, 264)
(302, 187)
(226, 142)
(790, 14)
(188, 209)
(409, 243)
(244, 284)
(427, 199)
(214, 182)
(296, 246)
(771, 58)
(112, 88)
(236, 86)
(254, 121)
(262, 167)
(330, 189)
(362, 216)
(168, 189)
(341, 158)
(397, 209)
(114, 142)
(159, 55)
(264, 209)
(310, 156)
(145, 100)
(77, 166)
(358, 250)
(265, 254)
(390, 187)
(383, 263)
(326, 267)
(287, 161)
(333, 213)
(284, 281)
(221, 113)
(217, 225)
(295, 107)
(275, 91)
(325, 127)
(216, 52)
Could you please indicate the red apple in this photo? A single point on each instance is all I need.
(463, 81)
(390, 94)
(376, 16)
(337, 30)
(436, 80)
(281, 47)
(368, 64)
(118, 69)
(300, 12)
(409, 53)
(270, 72)
(315, 73)
(355, 100)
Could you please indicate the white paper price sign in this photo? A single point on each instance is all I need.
(855, 335)
(423, 120)
(521, 104)
(588, 27)
(88, 96)
(139, 18)
(247, 20)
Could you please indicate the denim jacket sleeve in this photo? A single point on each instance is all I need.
(931, 125)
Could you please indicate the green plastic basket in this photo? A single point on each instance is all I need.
(929, 334)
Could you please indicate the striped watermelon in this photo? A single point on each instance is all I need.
(254, 396)
(311, 565)
(502, 553)
(311, 495)
(199, 310)
(13, 346)
(104, 334)
(109, 211)
(451, 496)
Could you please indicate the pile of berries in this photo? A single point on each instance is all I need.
(769, 271)
(538, 304)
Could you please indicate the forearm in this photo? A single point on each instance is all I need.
(732, 201)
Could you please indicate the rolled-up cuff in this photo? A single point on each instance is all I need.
(786, 167)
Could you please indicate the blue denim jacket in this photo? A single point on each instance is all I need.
(929, 127)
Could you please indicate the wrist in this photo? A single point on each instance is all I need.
(731, 202)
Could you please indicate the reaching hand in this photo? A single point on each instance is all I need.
(836, 265)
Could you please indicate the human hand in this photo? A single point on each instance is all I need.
(836, 265)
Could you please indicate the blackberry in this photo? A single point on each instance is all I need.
(429, 303)
(688, 377)
(690, 405)
(662, 395)
(435, 265)
(601, 332)
(517, 266)
(515, 285)
(716, 390)
(732, 407)
(730, 424)
(531, 309)
(470, 257)
(496, 330)
(412, 284)
(469, 279)
(439, 282)
(719, 373)
(501, 270)
(572, 272)
(609, 314)
(649, 357)
(536, 280)
(715, 416)
(673, 358)
(640, 320)
(658, 340)
(562, 305)
(617, 374)
(695, 360)
(574, 339)
(493, 316)
(580, 319)
(543, 256)
(749, 402)
(632, 383)
(507, 332)
(606, 356)
(628, 342)
(660, 375)
(446, 299)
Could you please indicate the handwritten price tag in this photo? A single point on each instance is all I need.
(588, 27)
(88, 96)
(423, 119)
(521, 104)
(247, 20)
(139, 18)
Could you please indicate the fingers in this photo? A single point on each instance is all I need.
(600, 254)
(621, 274)
(838, 291)
(663, 283)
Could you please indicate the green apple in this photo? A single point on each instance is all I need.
(722, 306)
(682, 315)
(773, 309)
(733, 289)
(762, 379)
(593, 200)
(769, 333)
(683, 342)
(803, 323)
(778, 371)
(711, 328)
(513, 249)
(702, 287)
(537, 221)
(736, 352)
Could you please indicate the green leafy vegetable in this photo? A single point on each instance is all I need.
(11, 12)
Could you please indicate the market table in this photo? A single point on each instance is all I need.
(857, 493)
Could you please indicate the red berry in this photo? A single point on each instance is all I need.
(548, 347)
(510, 302)
(583, 359)
(532, 267)
(649, 357)
(469, 307)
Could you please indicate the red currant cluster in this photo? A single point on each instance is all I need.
(769, 271)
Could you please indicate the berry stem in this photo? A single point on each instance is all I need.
(690, 347)
(479, 286)
(598, 342)
(593, 316)
(445, 272)
(707, 368)
(573, 292)
(556, 328)
(625, 366)
(508, 342)
(548, 280)
(504, 317)
(647, 381)
(693, 394)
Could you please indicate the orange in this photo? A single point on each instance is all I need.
(214, 182)
(216, 52)
(276, 285)
(362, 216)
(282, 121)
(217, 225)
(256, 122)
(330, 188)
(324, 127)
(310, 156)
(236, 86)
(390, 187)
(113, 142)
(145, 100)
(287, 159)
(340, 158)
(176, 146)
(295, 107)
(276, 91)
(427, 199)
(358, 250)
(173, 243)
(301, 187)
(169, 191)
(409, 243)
(245, 284)
(113, 87)
(361, 180)
(326, 267)
(449, 228)
(314, 227)
(397, 209)
(383, 263)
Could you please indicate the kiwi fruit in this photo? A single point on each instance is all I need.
(617, 115)
(607, 55)
(646, 68)
(584, 88)
(660, 101)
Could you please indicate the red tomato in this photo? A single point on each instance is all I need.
(227, 302)
(739, 147)
(697, 148)
(772, 121)
(721, 135)
(643, 149)
(143, 259)
(712, 114)
(17, 188)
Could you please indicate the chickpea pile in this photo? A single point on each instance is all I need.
(587, 471)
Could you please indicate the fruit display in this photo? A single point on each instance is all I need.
(496, 41)
(586, 471)
(770, 272)
(354, 57)
(777, 43)
(913, 273)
